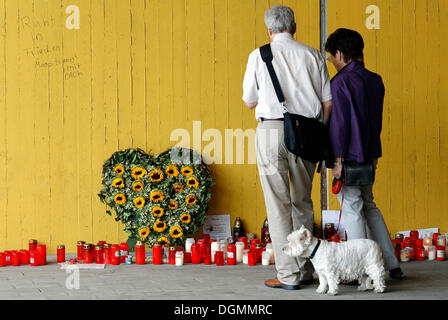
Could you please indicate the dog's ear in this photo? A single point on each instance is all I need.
(306, 235)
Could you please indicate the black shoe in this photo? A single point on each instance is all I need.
(396, 273)
(306, 282)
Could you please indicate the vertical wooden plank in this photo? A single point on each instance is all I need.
(433, 125)
(101, 221)
(70, 142)
(421, 101)
(123, 29)
(152, 73)
(55, 131)
(83, 80)
(138, 73)
(179, 65)
(166, 58)
(409, 136)
(3, 127)
(443, 97)
(111, 92)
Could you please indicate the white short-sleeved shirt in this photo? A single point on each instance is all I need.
(303, 76)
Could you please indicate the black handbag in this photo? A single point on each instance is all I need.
(307, 138)
(356, 174)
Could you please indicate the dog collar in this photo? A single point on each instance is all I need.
(314, 250)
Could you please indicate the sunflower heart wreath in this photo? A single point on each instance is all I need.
(160, 198)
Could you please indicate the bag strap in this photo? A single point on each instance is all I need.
(266, 55)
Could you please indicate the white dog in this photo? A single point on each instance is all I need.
(359, 259)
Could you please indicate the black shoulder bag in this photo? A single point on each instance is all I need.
(307, 138)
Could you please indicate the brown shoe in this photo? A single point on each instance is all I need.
(275, 283)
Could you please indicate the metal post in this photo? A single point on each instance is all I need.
(323, 39)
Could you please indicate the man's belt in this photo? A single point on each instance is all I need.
(264, 119)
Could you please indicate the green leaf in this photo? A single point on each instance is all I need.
(131, 242)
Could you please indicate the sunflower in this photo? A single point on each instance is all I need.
(157, 211)
(163, 240)
(137, 186)
(186, 171)
(156, 175)
(185, 218)
(139, 202)
(118, 183)
(119, 170)
(144, 232)
(173, 204)
(159, 226)
(178, 187)
(172, 170)
(120, 198)
(138, 173)
(191, 199)
(192, 182)
(176, 232)
(156, 196)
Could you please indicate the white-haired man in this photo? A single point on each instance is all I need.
(286, 183)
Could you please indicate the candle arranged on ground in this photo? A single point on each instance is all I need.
(106, 248)
(231, 254)
(219, 258)
(32, 244)
(179, 258)
(140, 254)
(42, 254)
(172, 255)
(124, 251)
(239, 251)
(88, 253)
(60, 256)
(251, 258)
(431, 253)
(34, 261)
(80, 248)
(157, 254)
(188, 244)
(99, 254)
(115, 254)
(15, 258)
(265, 258)
(2, 260)
(196, 256)
(25, 256)
(215, 246)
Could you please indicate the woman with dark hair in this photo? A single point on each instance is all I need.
(355, 129)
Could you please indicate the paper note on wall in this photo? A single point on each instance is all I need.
(218, 226)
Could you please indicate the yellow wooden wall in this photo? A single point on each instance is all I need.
(138, 69)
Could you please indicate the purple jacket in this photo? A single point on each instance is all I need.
(356, 119)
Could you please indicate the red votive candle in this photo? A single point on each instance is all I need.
(32, 244)
(140, 254)
(42, 254)
(219, 258)
(420, 253)
(244, 240)
(60, 253)
(172, 255)
(208, 256)
(196, 255)
(231, 254)
(187, 257)
(15, 258)
(88, 253)
(102, 243)
(80, 250)
(157, 254)
(25, 256)
(99, 254)
(419, 243)
(414, 234)
(253, 243)
(124, 251)
(115, 254)
(440, 253)
(2, 259)
(106, 253)
(7, 257)
(206, 237)
(251, 258)
(34, 258)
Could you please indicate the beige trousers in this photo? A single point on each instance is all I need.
(286, 186)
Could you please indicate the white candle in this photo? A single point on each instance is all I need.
(431, 253)
(215, 246)
(188, 244)
(239, 251)
(270, 251)
(265, 258)
(246, 256)
(179, 258)
(223, 243)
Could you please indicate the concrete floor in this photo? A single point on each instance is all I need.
(423, 280)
